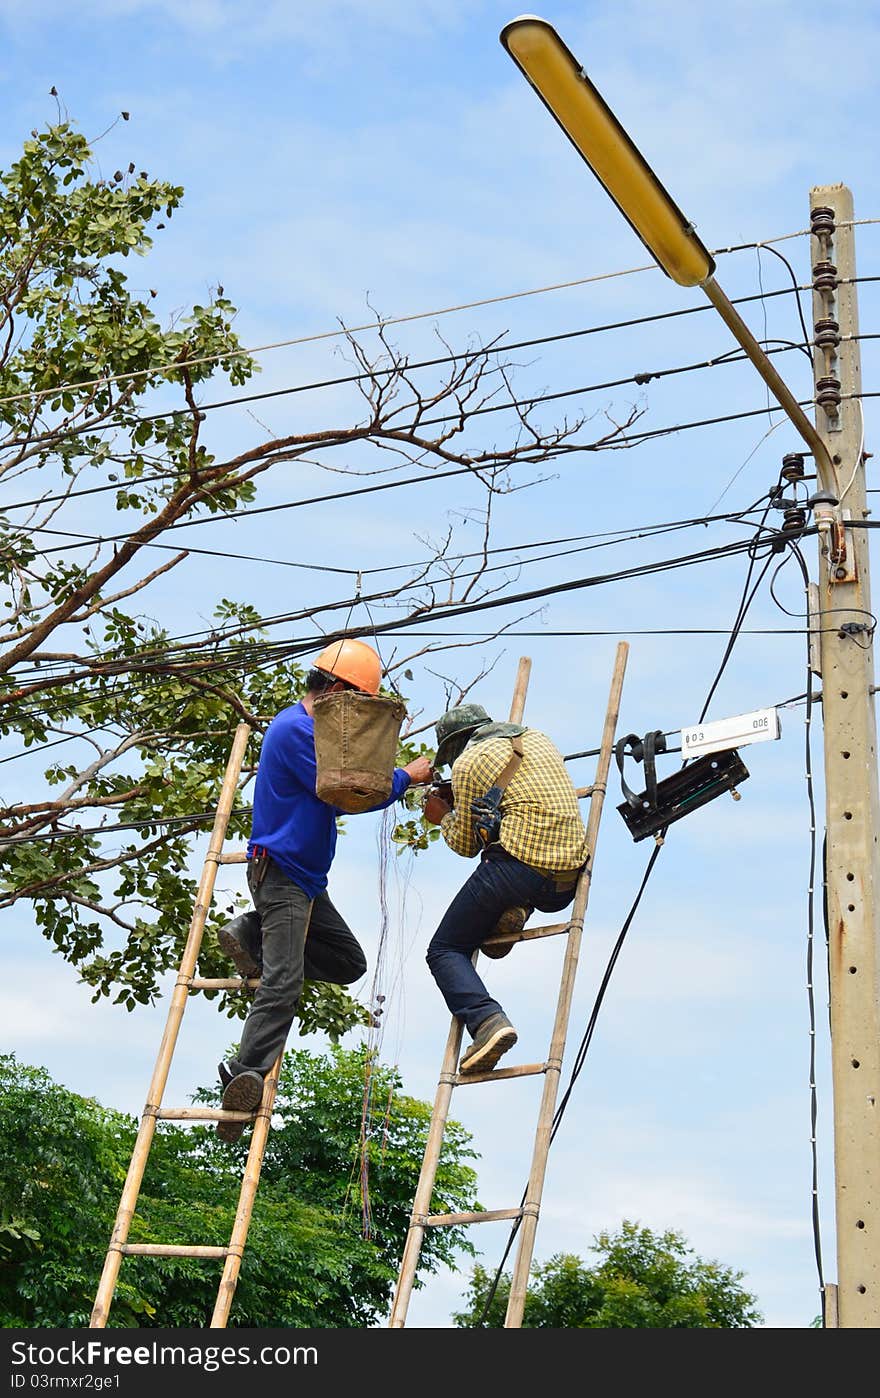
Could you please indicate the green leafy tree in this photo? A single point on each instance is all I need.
(329, 1223)
(644, 1281)
(100, 399)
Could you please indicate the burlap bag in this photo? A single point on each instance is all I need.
(356, 738)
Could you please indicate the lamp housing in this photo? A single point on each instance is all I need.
(563, 86)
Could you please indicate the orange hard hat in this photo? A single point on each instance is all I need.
(354, 661)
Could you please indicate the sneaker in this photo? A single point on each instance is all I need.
(493, 1038)
(233, 940)
(511, 920)
(242, 1093)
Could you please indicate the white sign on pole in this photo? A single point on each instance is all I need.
(757, 727)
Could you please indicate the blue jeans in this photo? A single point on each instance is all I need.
(499, 882)
(284, 913)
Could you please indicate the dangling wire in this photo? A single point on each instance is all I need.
(368, 1128)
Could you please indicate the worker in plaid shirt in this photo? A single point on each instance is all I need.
(532, 859)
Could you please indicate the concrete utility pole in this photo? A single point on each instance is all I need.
(852, 803)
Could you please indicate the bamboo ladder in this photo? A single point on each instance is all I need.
(421, 1219)
(188, 981)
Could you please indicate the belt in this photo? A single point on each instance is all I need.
(562, 883)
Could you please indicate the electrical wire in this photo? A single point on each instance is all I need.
(379, 323)
(859, 454)
(660, 839)
(605, 539)
(475, 352)
(611, 537)
(808, 774)
(290, 649)
(627, 440)
(624, 441)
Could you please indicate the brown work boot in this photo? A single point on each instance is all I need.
(493, 1038)
(511, 920)
(241, 1093)
(239, 940)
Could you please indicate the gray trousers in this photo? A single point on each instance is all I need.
(275, 934)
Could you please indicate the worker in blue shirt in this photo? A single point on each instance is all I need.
(292, 844)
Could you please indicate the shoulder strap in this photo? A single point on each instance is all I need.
(486, 810)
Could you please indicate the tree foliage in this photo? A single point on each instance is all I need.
(101, 409)
(310, 1261)
(644, 1281)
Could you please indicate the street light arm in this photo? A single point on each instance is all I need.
(733, 320)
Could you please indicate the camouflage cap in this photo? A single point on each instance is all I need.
(455, 727)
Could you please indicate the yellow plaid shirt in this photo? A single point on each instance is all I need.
(540, 818)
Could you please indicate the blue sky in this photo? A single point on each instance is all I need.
(344, 156)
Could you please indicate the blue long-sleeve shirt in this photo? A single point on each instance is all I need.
(289, 820)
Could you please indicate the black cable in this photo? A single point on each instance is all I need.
(607, 538)
(817, 1242)
(209, 815)
(195, 818)
(491, 348)
(626, 441)
(808, 339)
(580, 1056)
(275, 651)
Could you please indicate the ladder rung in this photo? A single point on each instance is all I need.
(552, 929)
(490, 1216)
(224, 983)
(528, 934)
(201, 1114)
(172, 1250)
(523, 1070)
(238, 856)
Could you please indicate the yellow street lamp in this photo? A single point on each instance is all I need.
(593, 129)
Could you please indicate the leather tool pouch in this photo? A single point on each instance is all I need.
(259, 865)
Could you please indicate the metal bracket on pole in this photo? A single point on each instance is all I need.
(841, 560)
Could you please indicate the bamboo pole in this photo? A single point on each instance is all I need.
(223, 983)
(484, 1216)
(442, 1099)
(248, 1194)
(522, 1070)
(235, 1251)
(520, 689)
(531, 1207)
(171, 1250)
(201, 1114)
(131, 1188)
(528, 934)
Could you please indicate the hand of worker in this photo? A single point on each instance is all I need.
(435, 809)
(419, 771)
